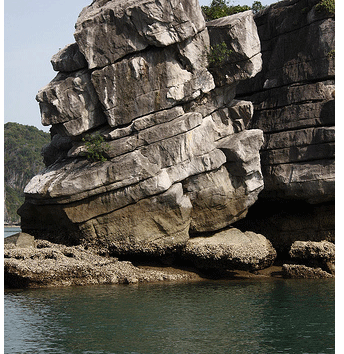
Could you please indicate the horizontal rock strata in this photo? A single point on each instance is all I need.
(294, 102)
(293, 98)
(176, 158)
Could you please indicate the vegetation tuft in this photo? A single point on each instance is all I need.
(221, 8)
(218, 54)
(96, 149)
(327, 6)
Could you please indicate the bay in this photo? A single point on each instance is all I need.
(229, 316)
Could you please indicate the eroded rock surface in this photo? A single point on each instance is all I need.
(294, 101)
(293, 97)
(298, 271)
(315, 254)
(179, 160)
(48, 264)
(231, 249)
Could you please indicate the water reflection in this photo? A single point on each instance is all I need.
(280, 316)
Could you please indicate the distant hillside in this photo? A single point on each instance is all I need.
(23, 160)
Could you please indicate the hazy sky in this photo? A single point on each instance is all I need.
(34, 30)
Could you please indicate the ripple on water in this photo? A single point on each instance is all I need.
(272, 316)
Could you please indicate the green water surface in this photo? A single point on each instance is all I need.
(267, 316)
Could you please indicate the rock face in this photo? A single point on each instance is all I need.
(293, 98)
(179, 160)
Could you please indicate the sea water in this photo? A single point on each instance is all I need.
(212, 317)
(11, 230)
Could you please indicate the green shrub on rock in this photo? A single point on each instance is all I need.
(326, 6)
(96, 149)
(218, 54)
(221, 8)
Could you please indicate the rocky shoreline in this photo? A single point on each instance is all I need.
(209, 145)
(34, 263)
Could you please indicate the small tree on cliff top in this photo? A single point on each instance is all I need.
(221, 8)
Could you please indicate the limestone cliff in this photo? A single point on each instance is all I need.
(293, 97)
(177, 160)
(155, 148)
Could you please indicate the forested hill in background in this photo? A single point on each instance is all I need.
(23, 160)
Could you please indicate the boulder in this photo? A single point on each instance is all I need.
(147, 103)
(297, 271)
(316, 254)
(230, 249)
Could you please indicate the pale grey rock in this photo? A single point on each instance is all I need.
(148, 82)
(170, 135)
(239, 33)
(222, 197)
(145, 122)
(71, 102)
(231, 249)
(218, 98)
(243, 146)
(69, 59)
(65, 213)
(50, 265)
(159, 156)
(146, 137)
(77, 176)
(217, 198)
(109, 30)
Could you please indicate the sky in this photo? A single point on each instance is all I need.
(35, 30)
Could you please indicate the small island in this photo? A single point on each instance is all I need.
(182, 149)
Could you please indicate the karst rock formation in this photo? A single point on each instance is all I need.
(294, 104)
(181, 149)
(179, 159)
